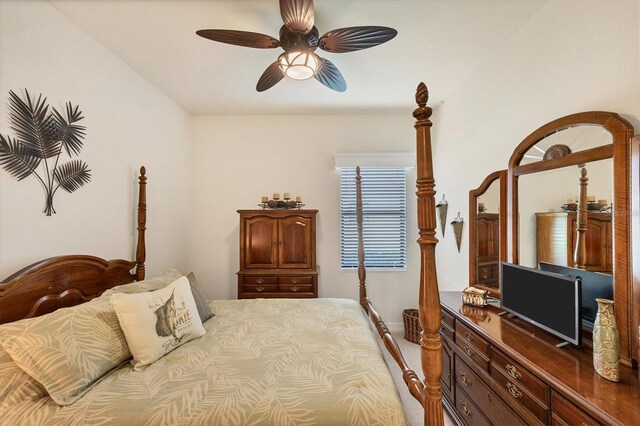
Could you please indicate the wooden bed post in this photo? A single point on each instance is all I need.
(429, 304)
(362, 273)
(580, 255)
(142, 222)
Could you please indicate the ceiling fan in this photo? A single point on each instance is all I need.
(300, 38)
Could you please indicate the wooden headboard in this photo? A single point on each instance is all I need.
(64, 281)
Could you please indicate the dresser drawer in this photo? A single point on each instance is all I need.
(446, 331)
(447, 318)
(259, 280)
(474, 346)
(519, 375)
(493, 407)
(564, 412)
(469, 411)
(473, 338)
(520, 394)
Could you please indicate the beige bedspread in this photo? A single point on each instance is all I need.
(261, 362)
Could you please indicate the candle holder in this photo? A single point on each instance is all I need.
(277, 204)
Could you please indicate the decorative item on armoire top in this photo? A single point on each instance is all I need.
(474, 296)
(606, 342)
(442, 208)
(42, 133)
(457, 225)
(277, 203)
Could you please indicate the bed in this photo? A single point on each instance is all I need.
(252, 366)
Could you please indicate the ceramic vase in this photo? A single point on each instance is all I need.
(606, 342)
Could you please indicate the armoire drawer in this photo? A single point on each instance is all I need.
(296, 280)
(259, 280)
(493, 407)
(259, 288)
(296, 288)
(564, 412)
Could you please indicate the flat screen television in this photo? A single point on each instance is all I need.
(547, 300)
(594, 286)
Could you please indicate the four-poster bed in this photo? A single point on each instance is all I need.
(66, 281)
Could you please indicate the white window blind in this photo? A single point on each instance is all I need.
(384, 217)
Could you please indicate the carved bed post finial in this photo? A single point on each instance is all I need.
(362, 273)
(142, 222)
(580, 255)
(429, 304)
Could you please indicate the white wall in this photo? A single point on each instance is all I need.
(237, 159)
(571, 56)
(129, 123)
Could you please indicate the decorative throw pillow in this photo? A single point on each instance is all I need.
(69, 350)
(16, 386)
(204, 310)
(156, 323)
(163, 279)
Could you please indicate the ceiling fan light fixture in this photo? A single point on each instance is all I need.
(299, 65)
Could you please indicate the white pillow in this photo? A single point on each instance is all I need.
(156, 323)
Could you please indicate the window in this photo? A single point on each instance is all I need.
(384, 208)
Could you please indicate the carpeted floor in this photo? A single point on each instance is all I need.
(411, 353)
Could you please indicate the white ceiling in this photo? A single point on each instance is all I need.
(439, 42)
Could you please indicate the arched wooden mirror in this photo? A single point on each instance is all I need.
(487, 223)
(543, 176)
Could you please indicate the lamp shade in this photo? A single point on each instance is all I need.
(298, 65)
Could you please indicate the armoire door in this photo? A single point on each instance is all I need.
(294, 242)
(598, 242)
(261, 242)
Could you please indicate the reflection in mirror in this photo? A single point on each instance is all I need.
(547, 216)
(487, 222)
(566, 141)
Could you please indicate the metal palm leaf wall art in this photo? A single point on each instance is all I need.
(42, 134)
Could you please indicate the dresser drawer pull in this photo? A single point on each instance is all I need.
(513, 372)
(465, 379)
(468, 336)
(259, 281)
(489, 396)
(469, 351)
(295, 288)
(294, 281)
(466, 410)
(260, 288)
(513, 390)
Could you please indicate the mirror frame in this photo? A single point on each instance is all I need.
(474, 194)
(620, 150)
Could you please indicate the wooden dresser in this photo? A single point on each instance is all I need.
(556, 239)
(277, 254)
(500, 370)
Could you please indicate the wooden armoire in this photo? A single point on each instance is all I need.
(277, 254)
(488, 247)
(556, 239)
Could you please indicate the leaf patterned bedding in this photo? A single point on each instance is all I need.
(261, 362)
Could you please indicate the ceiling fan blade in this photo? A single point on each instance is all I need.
(270, 77)
(329, 75)
(298, 15)
(240, 38)
(355, 38)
